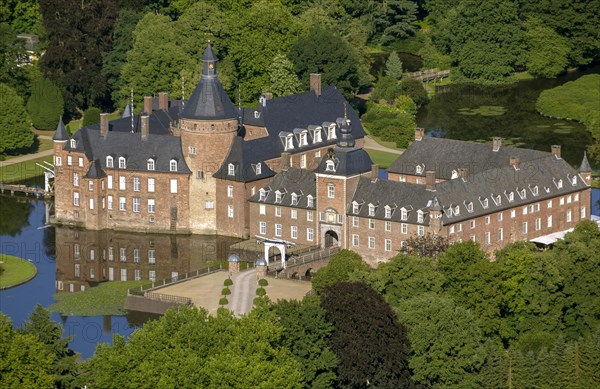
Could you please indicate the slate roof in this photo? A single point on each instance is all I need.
(299, 181)
(585, 165)
(347, 162)
(245, 169)
(445, 155)
(61, 132)
(95, 171)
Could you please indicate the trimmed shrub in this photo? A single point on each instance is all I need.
(261, 292)
(228, 282)
(91, 116)
(223, 301)
(226, 292)
(263, 282)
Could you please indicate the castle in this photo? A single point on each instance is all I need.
(294, 169)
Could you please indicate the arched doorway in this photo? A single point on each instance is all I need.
(331, 239)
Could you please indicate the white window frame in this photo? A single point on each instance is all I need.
(310, 234)
(122, 163)
(230, 191)
(371, 242)
(331, 191)
(110, 161)
(151, 164)
(122, 183)
(122, 204)
(173, 185)
(136, 204)
(262, 228)
(278, 229)
(294, 232)
(173, 165)
(151, 185)
(230, 211)
(151, 205)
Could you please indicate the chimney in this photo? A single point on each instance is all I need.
(285, 160)
(430, 180)
(419, 133)
(148, 104)
(163, 101)
(103, 124)
(145, 126)
(496, 143)
(556, 151)
(374, 171)
(515, 162)
(463, 172)
(315, 83)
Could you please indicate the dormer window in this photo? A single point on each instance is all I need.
(278, 196)
(454, 174)
(534, 190)
(510, 196)
(310, 201)
(109, 161)
(419, 169)
(231, 169)
(559, 183)
(173, 165)
(289, 142)
(388, 212)
(522, 194)
(150, 164)
(73, 143)
(497, 199)
(331, 132)
(371, 210)
(574, 181)
(419, 216)
(258, 168)
(262, 194)
(457, 210)
(330, 166)
(122, 163)
(469, 206)
(294, 199)
(303, 138)
(484, 202)
(403, 214)
(315, 132)
(355, 208)
(256, 114)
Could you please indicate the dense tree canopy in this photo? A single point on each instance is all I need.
(15, 124)
(45, 105)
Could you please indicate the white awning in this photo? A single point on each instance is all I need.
(551, 238)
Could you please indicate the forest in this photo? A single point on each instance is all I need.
(430, 319)
(95, 52)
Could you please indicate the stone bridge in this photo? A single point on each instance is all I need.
(303, 266)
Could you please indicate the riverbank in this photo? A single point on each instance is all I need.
(15, 271)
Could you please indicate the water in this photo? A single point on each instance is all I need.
(478, 113)
(63, 268)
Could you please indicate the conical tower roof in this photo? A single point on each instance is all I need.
(585, 165)
(61, 134)
(209, 101)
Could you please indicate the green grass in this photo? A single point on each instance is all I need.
(75, 125)
(16, 271)
(383, 159)
(107, 298)
(39, 145)
(22, 171)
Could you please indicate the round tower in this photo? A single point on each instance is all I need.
(207, 126)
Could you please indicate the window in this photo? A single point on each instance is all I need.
(69, 160)
(371, 242)
(150, 205)
(262, 194)
(525, 227)
(109, 181)
(303, 138)
(388, 212)
(137, 274)
(262, 228)
(569, 199)
(355, 240)
(487, 238)
(73, 143)
(76, 199)
(549, 221)
(77, 267)
(209, 204)
(569, 216)
(513, 213)
(110, 202)
(419, 169)
(230, 211)
(136, 255)
(371, 224)
(559, 184)
(173, 185)
(136, 204)
(151, 185)
(277, 229)
(262, 209)
(123, 274)
(136, 184)
(331, 132)
(309, 216)
(403, 214)
(289, 142)
(258, 169)
(150, 164)
(278, 196)
(91, 203)
(421, 231)
(152, 275)
(500, 234)
(419, 216)
(329, 166)
(484, 202)
(122, 163)
(318, 152)
(294, 214)
(122, 182)
(538, 224)
(404, 228)
(123, 254)
(151, 256)
(92, 274)
(331, 191)
(576, 197)
(355, 221)
(317, 137)
(500, 216)
(354, 207)
(173, 165)
(583, 213)
(388, 245)
(561, 201)
(310, 201)
(310, 235)
(192, 150)
(57, 161)
(303, 161)
(229, 191)
(122, 203)
(487, 220)
(278, 211)
(80, 162)
(109, 161)
(388, 226)
(371, 210)
(534, 190)
(294, 232)
(77, 250)
(294, 199)
(75, 179)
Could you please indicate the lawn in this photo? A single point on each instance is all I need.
(16, 271)
(39, 145)
(22, 171)
(108, 298)
(383, 159)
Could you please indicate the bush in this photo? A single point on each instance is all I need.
(261, 292)
(91, 116)
(415, 90)
(226, 292)
(223, 301)
(263, 282)
(228, 282)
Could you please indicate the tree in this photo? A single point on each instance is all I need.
(49, 334)
(344, 265)
(390, 123)
(282, 77)
(429, 245)
(305, 334)
(547, 52)
(386, 88)
(91, 116)
(399, 18)
(15, 125)
(11, 50)
(393, 66)
(45, 105)
(322, 50)
(446, 342)
(415, 90)
(22, 15)
(369, 342)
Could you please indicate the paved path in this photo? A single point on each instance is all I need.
(243, 291)
(371, 144)
(28, 157)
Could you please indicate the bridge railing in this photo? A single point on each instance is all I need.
(305, 258)
(144, 289)
(168, 298)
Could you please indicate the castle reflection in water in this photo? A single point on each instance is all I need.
(85, 258)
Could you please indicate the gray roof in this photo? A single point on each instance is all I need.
(61, 132)
(347, 162)
(585, 165)
(446, 155)
(209, 101)
(245, 169)
(95, 171)
(299, 181)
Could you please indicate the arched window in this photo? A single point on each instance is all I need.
(173, 165)
(122, 163)
(329, 166)
(258, 168)
(150, 164)
(73, 143)
(109, 161)
(231, 169)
